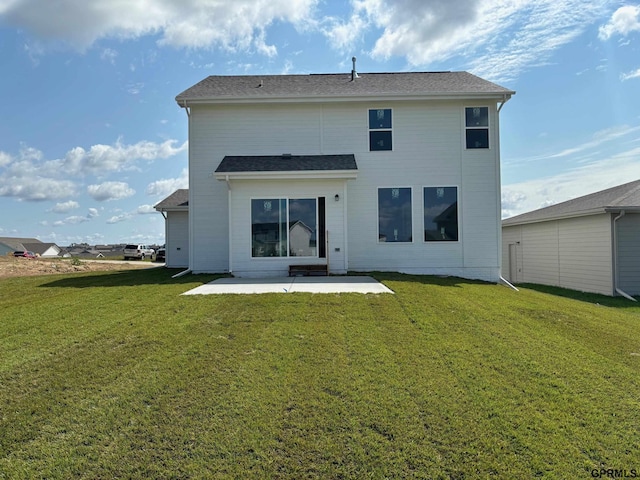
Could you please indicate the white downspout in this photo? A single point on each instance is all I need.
(616, 277)
(505, 99)
(187, 110)
(188, 270)
(230, 225)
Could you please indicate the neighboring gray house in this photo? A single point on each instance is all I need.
(12, 244)
(175, 210)
(389, 172)
(590, 243)
(45, 250)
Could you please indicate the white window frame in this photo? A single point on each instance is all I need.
(369, 130)
(287, 199)
(413, 236)
(443, 242)
(487, 128)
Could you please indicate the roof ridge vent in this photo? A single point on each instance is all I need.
(354, 73)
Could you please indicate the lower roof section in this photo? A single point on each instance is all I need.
(287, 166)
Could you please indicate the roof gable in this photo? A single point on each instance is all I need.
(622, 197)
(178, 200)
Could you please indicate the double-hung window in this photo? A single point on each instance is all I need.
(477, 127)
(394, 215)
(440, 214)
(380, 137)
(284, 227)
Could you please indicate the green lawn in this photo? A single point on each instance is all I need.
(114, 375)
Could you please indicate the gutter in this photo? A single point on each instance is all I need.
(505, 98)
(616, 277)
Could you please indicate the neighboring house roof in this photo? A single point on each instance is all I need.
(178, 200)
(18, 243)
(623, 197)
(40, 248)
(218, 88)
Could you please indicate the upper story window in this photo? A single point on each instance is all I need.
(380, 137)
(477, 127)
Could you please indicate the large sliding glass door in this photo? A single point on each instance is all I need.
(282, 227)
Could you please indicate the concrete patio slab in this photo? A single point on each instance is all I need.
(248, 286)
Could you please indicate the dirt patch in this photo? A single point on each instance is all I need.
(20, 267)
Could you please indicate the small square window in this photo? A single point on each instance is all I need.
(380, 118)
(478, 138)
(477, 117)
(379, 140)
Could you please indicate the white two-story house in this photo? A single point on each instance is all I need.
(357, 172)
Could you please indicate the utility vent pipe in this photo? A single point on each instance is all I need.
(354, 73)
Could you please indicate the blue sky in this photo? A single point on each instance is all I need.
(91, 137)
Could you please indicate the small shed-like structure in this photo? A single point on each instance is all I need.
(175, 210)
(590, 243)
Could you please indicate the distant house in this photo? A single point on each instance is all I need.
(590, 243)
(355, 172)
(45, 250)
(12, 244)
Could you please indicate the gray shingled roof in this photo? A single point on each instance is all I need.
(287, 163)
(622, 197)
(266, 87)
(178, 200)
(16, 243)
(39, 247)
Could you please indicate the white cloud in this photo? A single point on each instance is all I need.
(110, 191)
(102, 159)
(145, 209)
(93, 212)
(504, 37)
(65, 207)
(5, 159)
(594, 176)
(119, 218)
(630, 75)
(73, 220)
(163, 188)
(35, 188)
(240, 24)
(109, 55)
(623, 21)
(29, 176)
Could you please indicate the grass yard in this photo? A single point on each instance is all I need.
(114, 375)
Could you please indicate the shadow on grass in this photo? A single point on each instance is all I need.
(442, 281)
(124, 278)
(595, 298)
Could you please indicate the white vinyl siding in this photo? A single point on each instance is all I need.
(177, 235)
(243, 191)
(571, 253)
(629, 253)
(428, 149)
